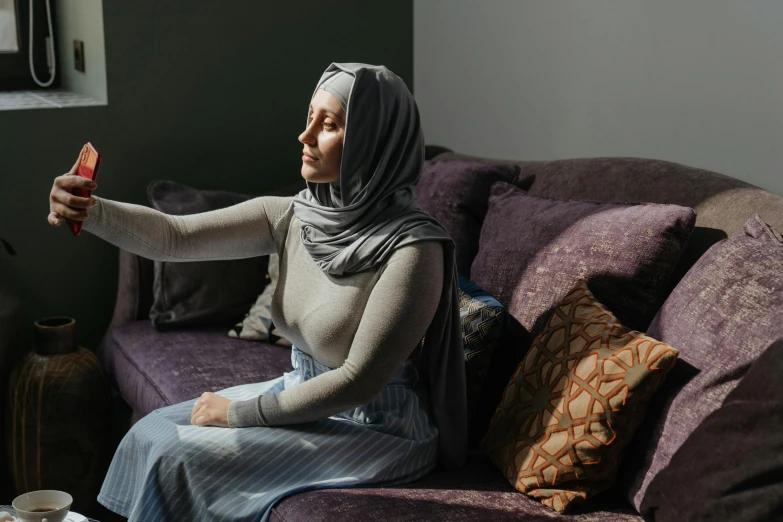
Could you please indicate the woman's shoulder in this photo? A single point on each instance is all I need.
(278, 204)
(414, 272)
(277, 212)
(426, 254)
(274, 207)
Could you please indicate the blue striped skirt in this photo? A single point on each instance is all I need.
(166, 468)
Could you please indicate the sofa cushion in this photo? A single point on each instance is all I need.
(722, 203)
(574, 402)
(532, 250)
(483, 321)
(724, 313)
(746, 432)
(258, 324)
(476, 491)
(153, 369)
(198, 293)
(455, 193)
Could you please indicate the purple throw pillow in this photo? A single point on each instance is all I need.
(198, 294)
(745, 432)
(723, 314)
(532, 251)
(455, 193)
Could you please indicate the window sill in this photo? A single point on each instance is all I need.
(44, 99)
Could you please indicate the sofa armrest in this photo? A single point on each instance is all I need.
(134, 289)
(134, 293)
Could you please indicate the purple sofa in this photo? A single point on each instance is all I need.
(152, 369)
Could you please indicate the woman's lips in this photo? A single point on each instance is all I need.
(308, 159)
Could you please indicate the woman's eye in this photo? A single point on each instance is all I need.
(329, 125)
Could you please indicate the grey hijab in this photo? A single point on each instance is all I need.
(356, 223)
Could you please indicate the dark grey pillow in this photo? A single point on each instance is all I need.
(731, 466)
(197, 294)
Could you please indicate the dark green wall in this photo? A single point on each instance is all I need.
(209, 94)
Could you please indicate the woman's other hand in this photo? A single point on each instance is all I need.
(210, 410)
(64, 204)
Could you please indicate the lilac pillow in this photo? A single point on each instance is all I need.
(532, 251)
(455, 193)
(722, 315)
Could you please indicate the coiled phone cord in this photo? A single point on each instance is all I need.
(53, 68)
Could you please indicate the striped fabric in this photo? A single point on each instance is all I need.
(168, 469)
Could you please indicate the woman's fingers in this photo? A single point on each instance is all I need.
(200, 417)
(198, 411)
(70, 213)
(210, 410)
(75, 165)
(69, 180)
(65, 197)
(63, 203)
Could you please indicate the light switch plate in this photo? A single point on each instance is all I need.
(78, 55)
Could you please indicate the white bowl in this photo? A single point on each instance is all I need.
(59, 501)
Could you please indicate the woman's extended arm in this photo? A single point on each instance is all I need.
(239, 231)
(399, 310)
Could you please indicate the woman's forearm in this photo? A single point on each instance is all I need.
(239, 231)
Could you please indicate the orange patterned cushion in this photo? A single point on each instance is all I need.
(574, 402)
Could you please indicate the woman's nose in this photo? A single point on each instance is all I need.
(306, 136)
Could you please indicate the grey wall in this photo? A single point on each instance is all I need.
(209, 94)
(82, 20)
(695, 82)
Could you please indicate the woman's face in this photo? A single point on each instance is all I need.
(323, 139)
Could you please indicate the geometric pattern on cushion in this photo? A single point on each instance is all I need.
(483, 319)
(258, 324)
(574, 402)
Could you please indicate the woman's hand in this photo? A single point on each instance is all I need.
(64, 204)
(210, 410)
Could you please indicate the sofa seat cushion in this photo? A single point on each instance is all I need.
(153, 369)
(476, 491)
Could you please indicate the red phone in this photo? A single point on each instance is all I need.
(89, 161)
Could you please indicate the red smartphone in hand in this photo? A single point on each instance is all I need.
(89, 161)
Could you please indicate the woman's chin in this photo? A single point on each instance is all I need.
(313, 175)
(309, 173)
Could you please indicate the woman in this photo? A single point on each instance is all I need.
(365, 277)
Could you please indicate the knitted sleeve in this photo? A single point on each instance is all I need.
(246, 229)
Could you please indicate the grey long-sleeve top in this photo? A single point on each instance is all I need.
(364, 325)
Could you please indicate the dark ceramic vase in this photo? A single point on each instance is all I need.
(58, 420)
